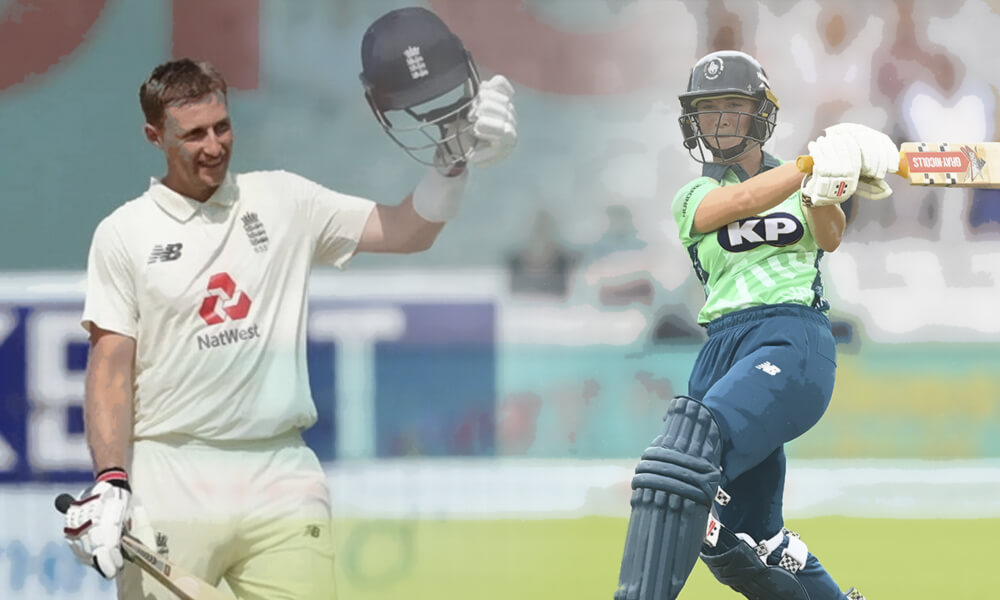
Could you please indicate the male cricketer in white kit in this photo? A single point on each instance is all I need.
(196, 388)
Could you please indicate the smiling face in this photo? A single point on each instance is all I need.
(197, 139)
(724, 121)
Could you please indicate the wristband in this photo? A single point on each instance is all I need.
(115, 476)
(437, 197)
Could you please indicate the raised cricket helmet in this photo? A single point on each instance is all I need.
(420, 83)
(723, 74)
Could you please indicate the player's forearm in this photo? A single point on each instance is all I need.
(761, 192)
(827, 224)
(405, 230)
(422, 232)
(418, 220)
(108, 406)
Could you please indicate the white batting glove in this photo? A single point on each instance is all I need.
(873, 189)
(494, 121)
(836, 168)
(879, 155)
(95, 520)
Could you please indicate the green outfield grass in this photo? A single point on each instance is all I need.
(578, 558)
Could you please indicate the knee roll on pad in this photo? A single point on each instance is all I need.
(740, 566)
(674, 486)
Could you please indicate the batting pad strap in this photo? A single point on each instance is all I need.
(670, 471)
(793, 556)
(437, 197)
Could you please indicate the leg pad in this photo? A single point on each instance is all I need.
(673, 490)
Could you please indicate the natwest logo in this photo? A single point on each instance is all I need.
(224, 302)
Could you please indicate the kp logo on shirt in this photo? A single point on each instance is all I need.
(776, 229)
(224, 302)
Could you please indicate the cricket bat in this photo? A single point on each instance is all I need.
(942, 164)
(183, 584)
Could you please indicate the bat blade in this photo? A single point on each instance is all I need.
(183, 584)
(952, 164)
(943, 164)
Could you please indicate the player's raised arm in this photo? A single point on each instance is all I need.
(423, 87)
(834, 179)
(724, 205)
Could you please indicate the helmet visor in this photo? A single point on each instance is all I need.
(436, 133)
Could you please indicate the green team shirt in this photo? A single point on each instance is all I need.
(770, 258)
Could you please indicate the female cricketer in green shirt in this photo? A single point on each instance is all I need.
(755, 229)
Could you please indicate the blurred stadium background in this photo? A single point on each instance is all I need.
(482, 404)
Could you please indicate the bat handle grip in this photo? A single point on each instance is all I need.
(805, 164)
(904, 166)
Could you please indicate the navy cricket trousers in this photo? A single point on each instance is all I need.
(767, 374)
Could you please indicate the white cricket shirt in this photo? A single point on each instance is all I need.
(215, 296)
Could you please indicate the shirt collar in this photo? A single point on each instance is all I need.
(183, 208)
(717, 171)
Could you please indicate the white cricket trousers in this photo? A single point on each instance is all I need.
(255, 514)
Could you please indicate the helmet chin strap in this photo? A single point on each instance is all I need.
(729, 153)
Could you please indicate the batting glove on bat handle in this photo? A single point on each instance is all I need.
(95, 521)
(879, 154)
(805, 164)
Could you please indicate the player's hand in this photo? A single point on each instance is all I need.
(836, 169)
(494, 121)
(873, 189)
(95, 520)
(879, 155)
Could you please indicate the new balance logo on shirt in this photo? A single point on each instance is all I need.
(768, 368)
(162, 253)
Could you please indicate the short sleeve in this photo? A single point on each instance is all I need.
(686, 204)
(110, 302)
(335, 221)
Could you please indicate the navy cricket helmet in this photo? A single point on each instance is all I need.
(723, 74)
(420, 83)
